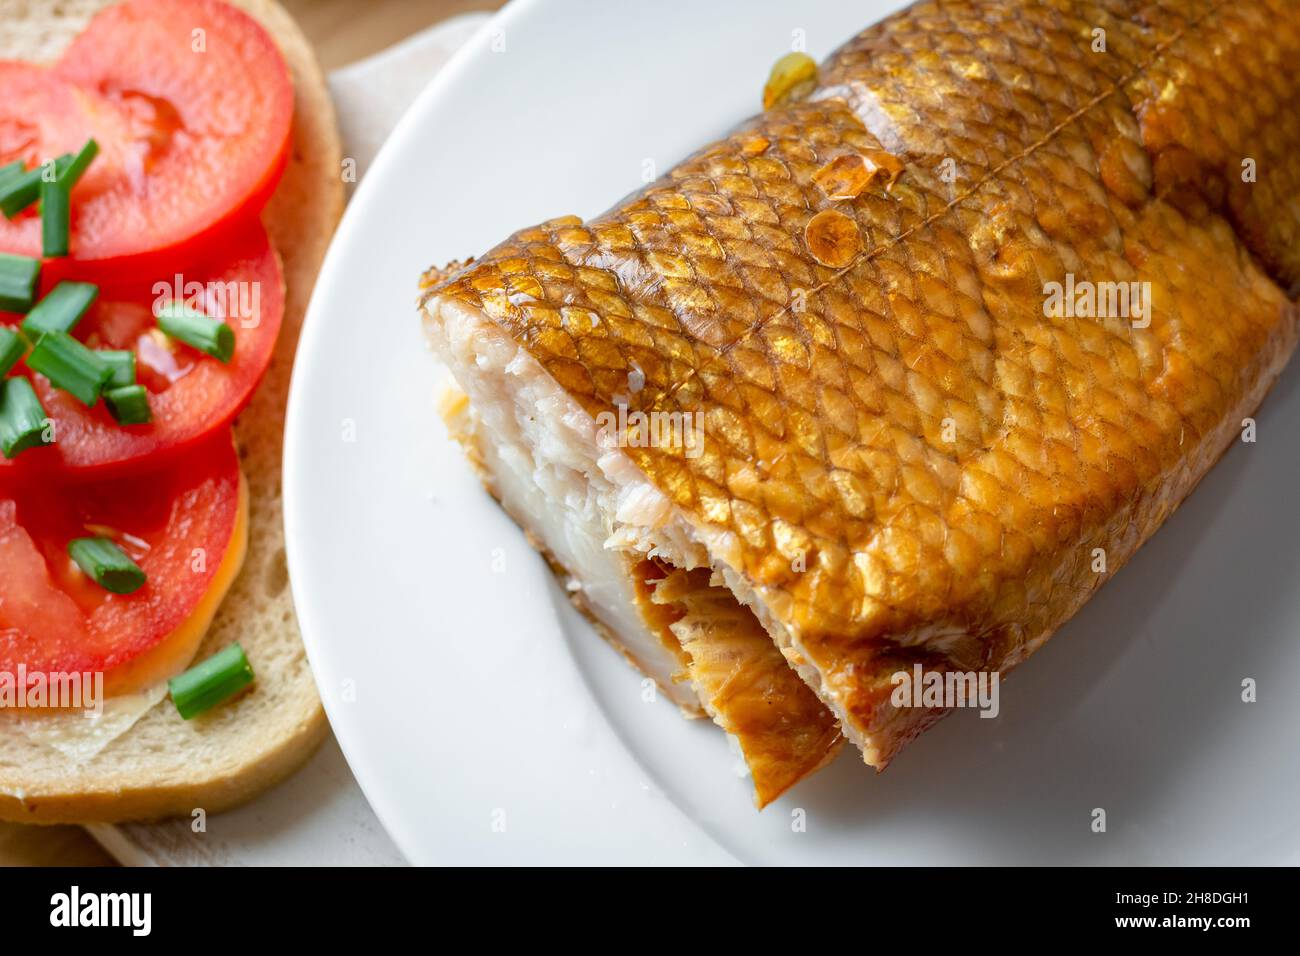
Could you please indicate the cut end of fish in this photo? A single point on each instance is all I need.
(744, 682)
(658, 587)
(628, 561)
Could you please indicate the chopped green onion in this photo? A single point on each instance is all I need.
(69, 174)
(71, 366)
(204, 333)
(19, 192)
(129, 405)
(122, 363)
(108, 564)
(56, 209)
(205, 685)
(22, 419)
(56, 167)
(56, 199)
(60, 310)
(18, 275)
(10, 172)
(12, 348)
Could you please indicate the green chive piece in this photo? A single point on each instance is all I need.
(56, 208)
(129, 405)
(22, 419)
(19, 192)
(204, 333)
(71, 366)
(69, 174)
(122, 364)
(205, 685)
(12, 348)
(60, 310)
(109, 565)
(18, 277)
(56, 198)
(56, 167)
(10, 172)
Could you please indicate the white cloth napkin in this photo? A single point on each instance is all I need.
(319, 816)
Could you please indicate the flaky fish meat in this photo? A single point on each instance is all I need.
(906, 366)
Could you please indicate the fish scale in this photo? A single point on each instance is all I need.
(902, 454)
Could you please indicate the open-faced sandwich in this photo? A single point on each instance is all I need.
(169, 178)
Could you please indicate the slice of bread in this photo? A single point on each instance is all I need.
(165, 766)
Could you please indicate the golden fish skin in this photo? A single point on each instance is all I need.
(905, 459)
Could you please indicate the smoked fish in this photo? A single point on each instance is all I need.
(910, 363)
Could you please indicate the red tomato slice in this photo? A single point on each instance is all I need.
(192, 395)
(191, 103)
(42, 116)
(176, 524)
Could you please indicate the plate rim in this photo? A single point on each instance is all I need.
(295, 461)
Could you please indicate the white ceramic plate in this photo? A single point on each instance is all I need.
(485, 720)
